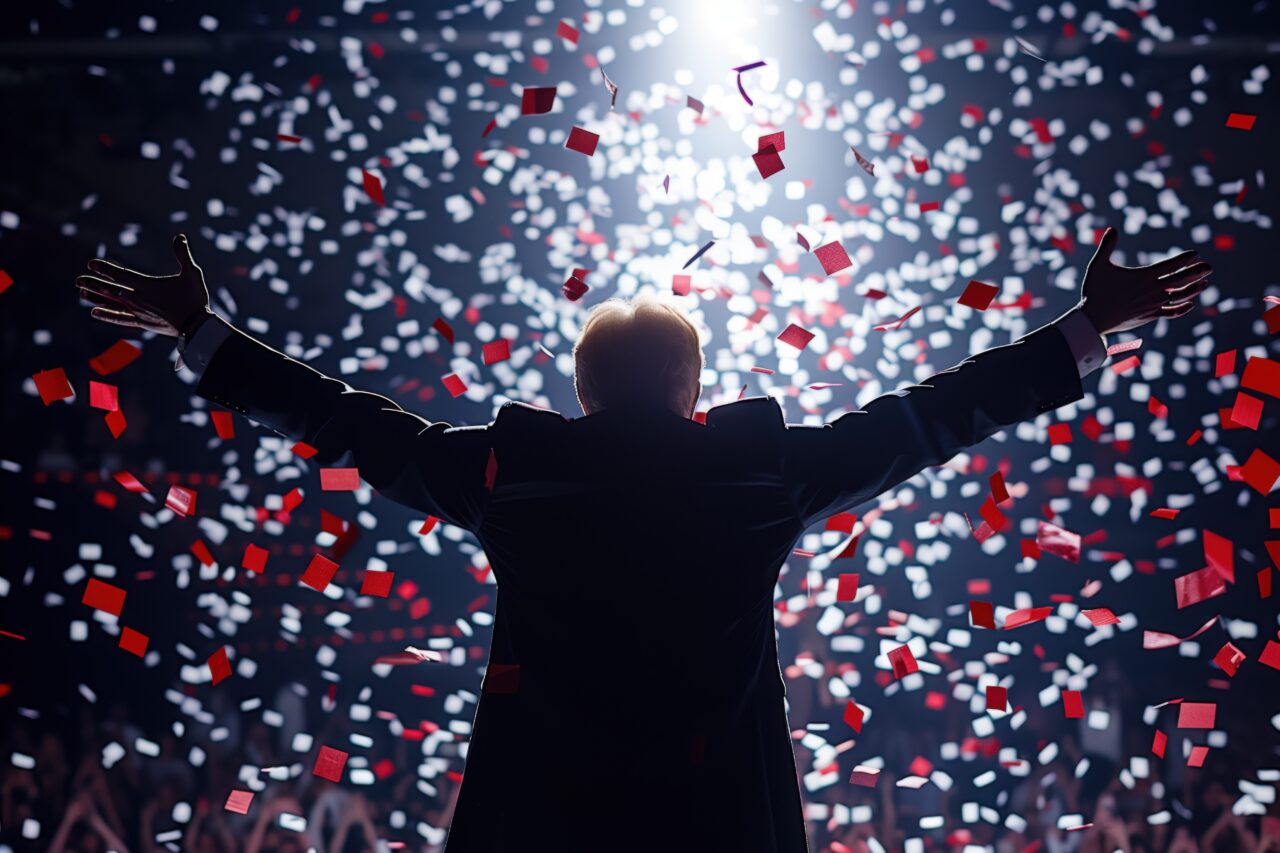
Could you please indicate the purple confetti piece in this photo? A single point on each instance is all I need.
(698, 254)
(742, 68)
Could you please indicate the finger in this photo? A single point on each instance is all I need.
(114, 304)
(1180, 309)
(115, 271)
(1177, 262)
(1182, 294)
(118, 318)
(101, 298)
(182, 250)
(1182, 278)
(101, 285)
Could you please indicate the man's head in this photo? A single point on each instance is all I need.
(638, 352)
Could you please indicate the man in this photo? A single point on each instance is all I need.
(633, 698)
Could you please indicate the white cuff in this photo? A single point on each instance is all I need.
(1088, 347)
(196, 353)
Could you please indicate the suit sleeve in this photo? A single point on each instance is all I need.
(431, 467)
(837, 466)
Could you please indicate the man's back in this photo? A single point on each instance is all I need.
(634, 690)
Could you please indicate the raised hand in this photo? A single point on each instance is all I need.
(166, 304)
(1117, 299)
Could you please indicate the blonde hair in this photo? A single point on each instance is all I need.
(637, 352)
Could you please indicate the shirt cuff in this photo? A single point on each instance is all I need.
(196, 353)
(1088, 347)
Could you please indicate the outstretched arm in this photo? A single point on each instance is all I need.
(432, 467)
(861, 454)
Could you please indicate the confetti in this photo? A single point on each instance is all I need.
(582, 141)
(537, 100)
(833, 258)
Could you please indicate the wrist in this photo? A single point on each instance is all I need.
(193, 323)
(1093, 315)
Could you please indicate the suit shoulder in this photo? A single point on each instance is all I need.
(751, 413)
(514, 412)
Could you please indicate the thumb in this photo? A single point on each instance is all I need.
(1106, 245)
(182, 251)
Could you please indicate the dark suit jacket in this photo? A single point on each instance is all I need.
(633, 698)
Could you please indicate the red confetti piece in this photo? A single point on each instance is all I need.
(329, 764)
(1026, 616)
(5, 281)
(219, 666)
(796, 336)
(1197, 715)
(1229, 659)
(833, 258)
(373, 187)
(1241, 121)
(1060, 434)
(574, 288)
(997, 698)
(1224, 363)
(680, 284)
(978, 295)
(1158, 743)
(1260, 471)
(445, 330)
(288, 137)
(454, 385)
(339, 479)
(865, 776)
(115, 422)
(202, 553)
(1270, 655)
(495, 351)
(1168, 514)
(768, 162)
(238, 801)
(537, 100)
(853, 716)
(903, 662)
(1262, 375)
(1200, 585)
(897, 324)
(181, 500)
(567, 32)
(1197, 756)
(1072, 704)
(223, 424)
(134, 642)
(302, 450)
(847, 587)
(377, 583)
(319, 573)
(115, 357)
(129, 482)
(103, 396)
(982, 614)
(53, 385)
(1101, 616)
(582, 141)
(255, 558)
(1160, 640)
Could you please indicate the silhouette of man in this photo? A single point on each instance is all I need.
(633, 698)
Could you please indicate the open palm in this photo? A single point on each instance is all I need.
(166, 304)
(1117, 299)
